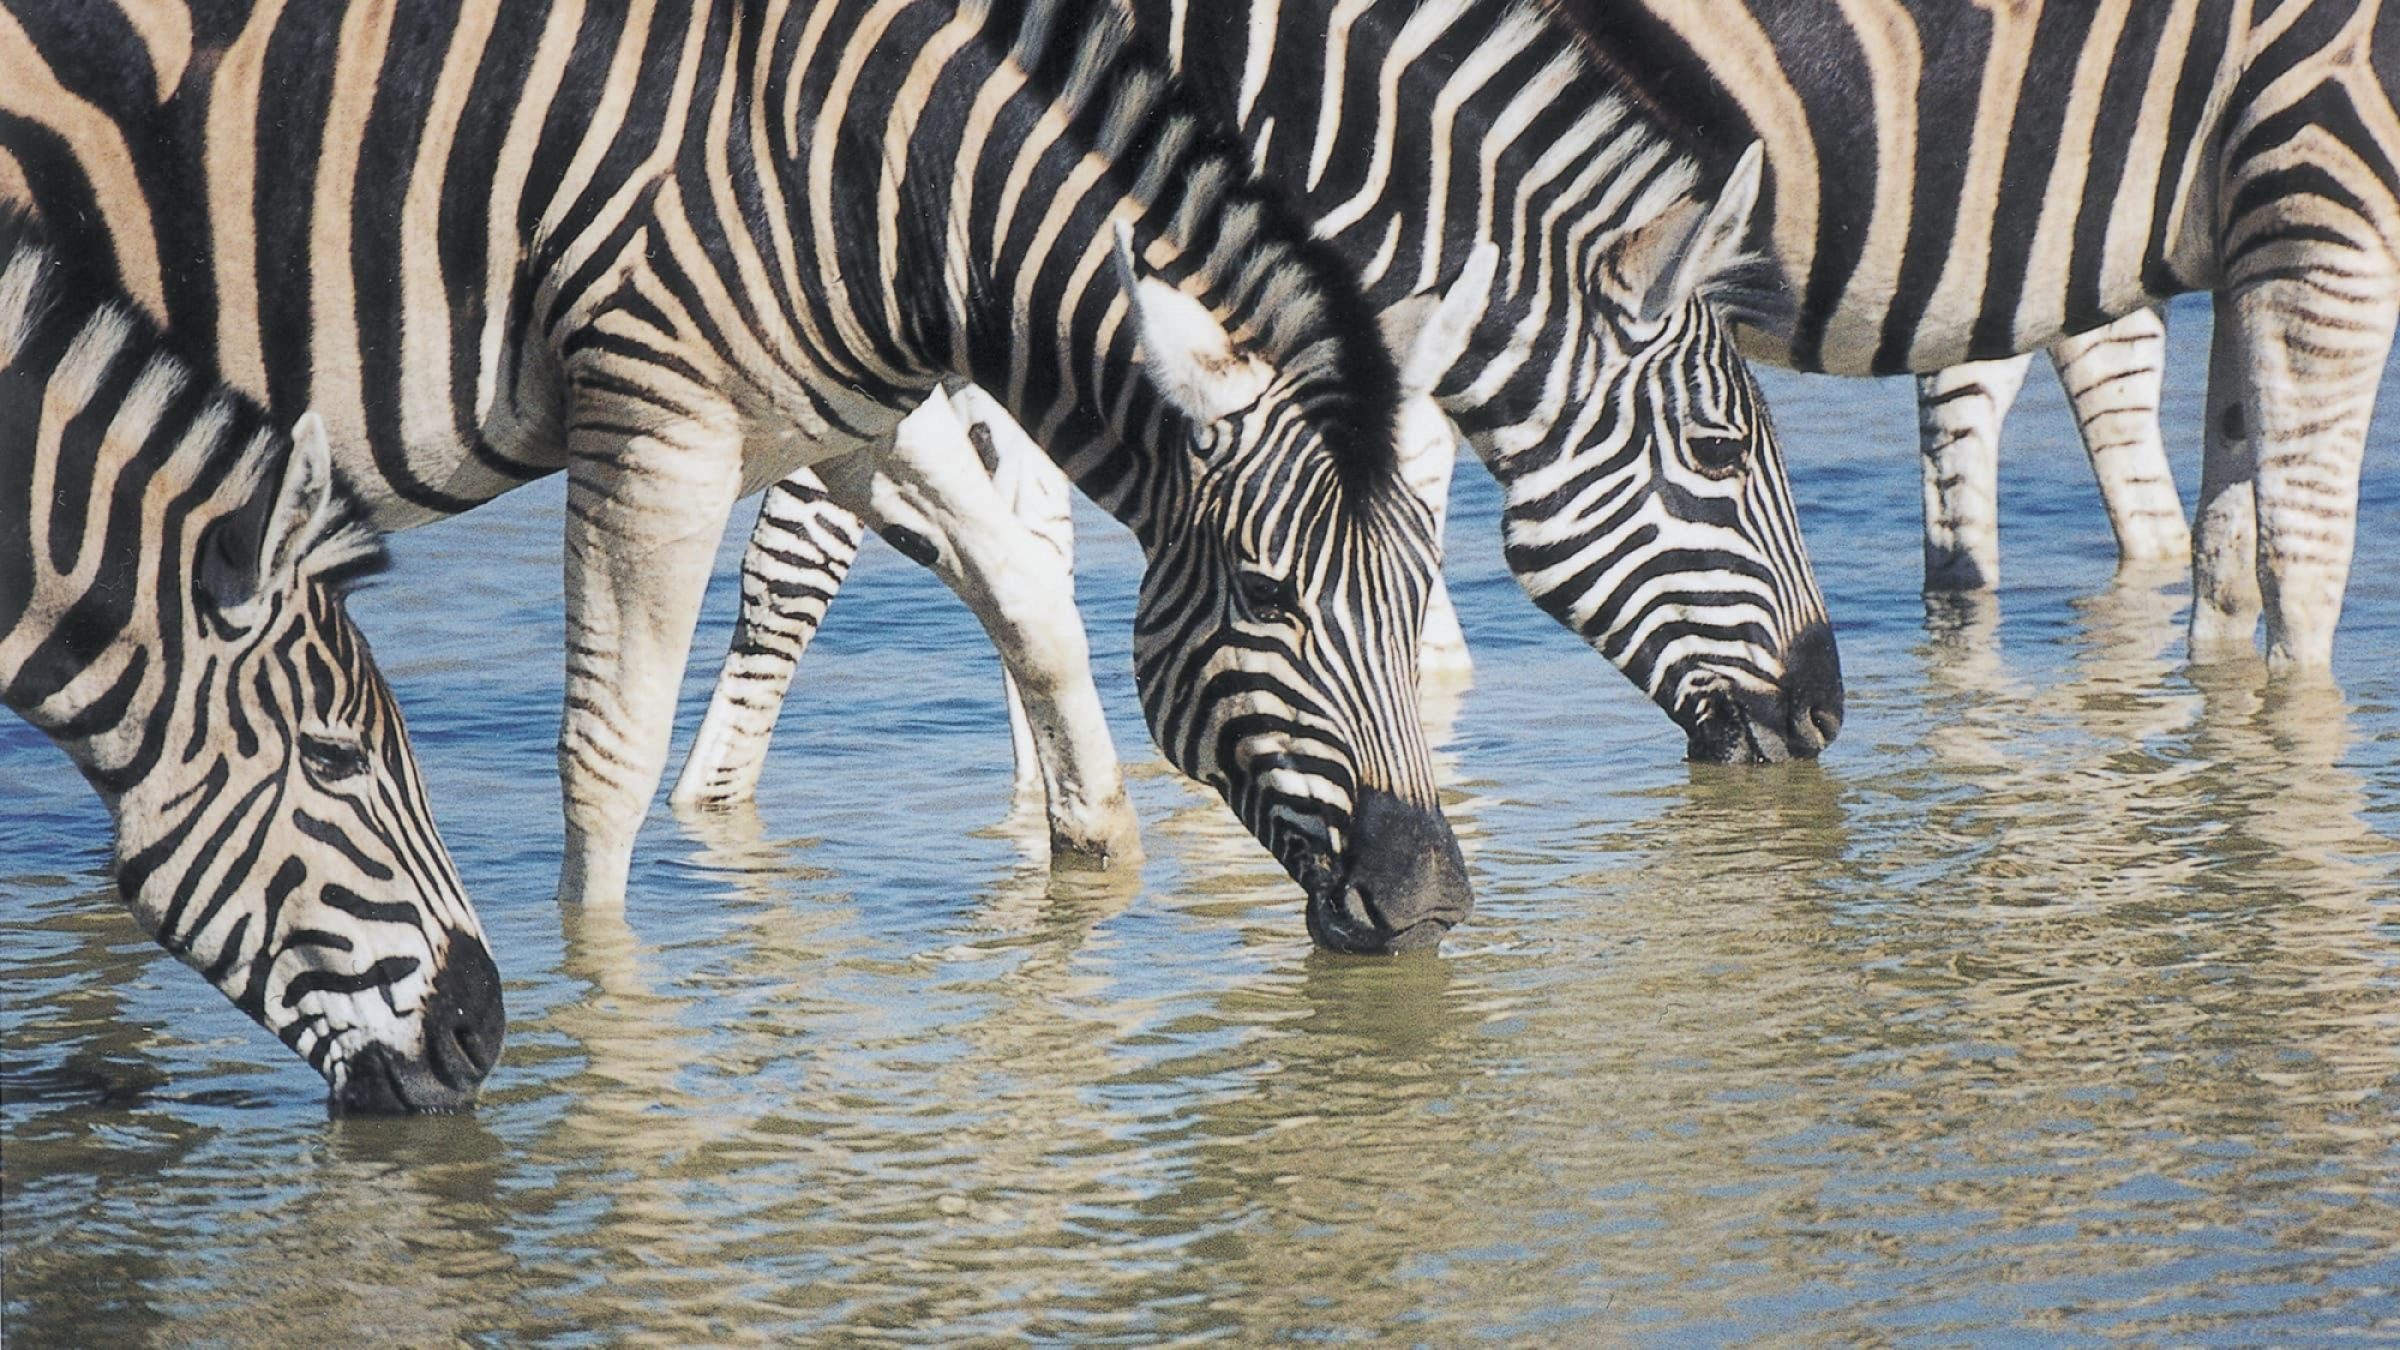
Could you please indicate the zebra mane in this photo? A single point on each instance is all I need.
(1752, 289)
(1292, 297)
(38, 303)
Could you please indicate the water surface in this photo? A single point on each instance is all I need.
(2061, 997)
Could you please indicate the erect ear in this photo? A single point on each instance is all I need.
(1188, 355)
(1427, 334)
(302, 503)
(1667, 260)
(251, 551)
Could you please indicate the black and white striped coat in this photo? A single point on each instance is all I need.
(679, 249)
(171, 574)
(1647, 504)
(1957, 182)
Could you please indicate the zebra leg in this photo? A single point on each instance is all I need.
(2314, 347)
(2112, 376)
(1038, 493)
(931, 498)
(1428, 455)
(2225, 596)
(800, 550)
(645, 510)
(1959, 411)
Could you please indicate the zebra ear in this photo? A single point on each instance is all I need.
(1427, 335)
(251, 552)
(301, 504)
(1680, 251)
(1186, 353)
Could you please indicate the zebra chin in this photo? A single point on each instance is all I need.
(1726, 722)
(1402, 886)
(463, 1023)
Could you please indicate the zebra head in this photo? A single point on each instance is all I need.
(1668, 540)
(1275, 642)
(278, 838)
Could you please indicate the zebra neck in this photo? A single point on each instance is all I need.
(1535, 136)
(1001, 210)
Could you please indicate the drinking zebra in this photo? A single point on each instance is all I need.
(994, 524)
(680, 250)
(171, 576)
(1962, 182)
(1646, 502)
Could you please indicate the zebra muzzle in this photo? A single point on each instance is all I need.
(464, 1025)
(1404, 885)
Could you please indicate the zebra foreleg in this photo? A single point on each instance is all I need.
(2113, 375)
(1959, 411)
(1037, 492)
(2313, 348)
(931, 497)
(800, 550)
(646, 504)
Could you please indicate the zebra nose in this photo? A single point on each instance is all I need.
(1812, 691)
(1405, 885)
(465, 1022)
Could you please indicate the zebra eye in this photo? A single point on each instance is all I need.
(331, 759)
(1269, 599)
(1718, 456)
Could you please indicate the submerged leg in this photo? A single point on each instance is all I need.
(2225, 596)
(930, 497)
(2313, 347)
(2113, 375)
(1959, 411)
(645, 510)
(800, 550)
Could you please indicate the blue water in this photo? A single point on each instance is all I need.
(2059, 1001)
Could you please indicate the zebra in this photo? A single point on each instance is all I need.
(171, 577)
(498, 241)
(1647, 505)
(1932, 208)
(995, 526)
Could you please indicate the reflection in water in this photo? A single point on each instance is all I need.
(2062, 997)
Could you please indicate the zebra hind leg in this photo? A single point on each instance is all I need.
(2113, 376)
(1959, 411)
(800, 550)
(2225, 596)
(2313, 348)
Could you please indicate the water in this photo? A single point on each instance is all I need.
(2060, 999)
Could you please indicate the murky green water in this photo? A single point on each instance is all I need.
(2063, 997)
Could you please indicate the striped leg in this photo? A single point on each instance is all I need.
(1959, 411)
(2313, 349)
(2225, 597)
(931, 499)
(1038, 494)
(2113, 376)
(644, 514)
(800, 550)
(1429, 453)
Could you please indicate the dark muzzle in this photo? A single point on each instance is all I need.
(1743, 727)
(464, 1026)
(1405, 885)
